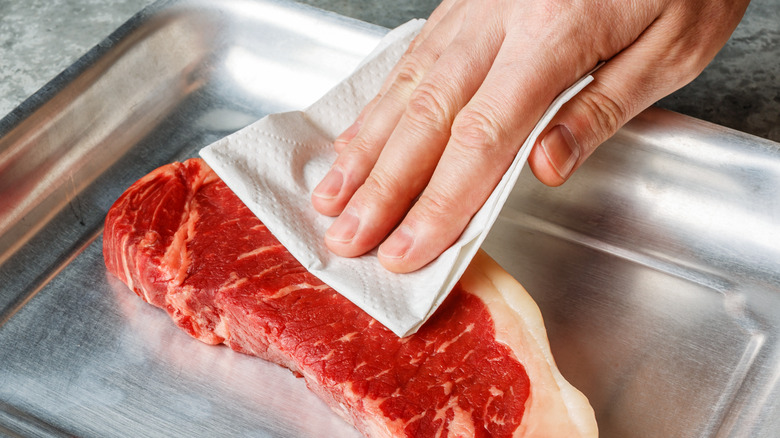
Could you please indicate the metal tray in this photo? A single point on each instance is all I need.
(656, 267)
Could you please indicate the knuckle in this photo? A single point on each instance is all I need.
(360, 154)
(383, 188)
(474, 130)
(428, 108)
(437, 208)
(609, 113)
(361, 145)
(410, 72)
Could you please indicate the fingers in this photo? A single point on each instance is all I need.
(413, 150)
(452, 115)
(361, 144)
(373, 128)
(441, 11)
(485, 137)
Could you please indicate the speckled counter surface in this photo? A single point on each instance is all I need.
(740, 89)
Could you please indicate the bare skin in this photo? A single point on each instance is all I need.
(427, 151)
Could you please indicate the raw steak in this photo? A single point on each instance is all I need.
(480, 367)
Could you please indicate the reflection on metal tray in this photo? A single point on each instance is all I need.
(656, 267)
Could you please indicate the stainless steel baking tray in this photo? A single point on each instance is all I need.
(656, 267)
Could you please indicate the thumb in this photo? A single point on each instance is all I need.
(657, 64)
(581, 125)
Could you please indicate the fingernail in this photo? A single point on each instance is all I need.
(561, 149)
(330, 186)
(344, 228)
(398, 244)
(348, 133)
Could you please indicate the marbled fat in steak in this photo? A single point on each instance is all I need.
(184, 242)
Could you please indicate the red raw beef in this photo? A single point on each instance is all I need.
(182, 241)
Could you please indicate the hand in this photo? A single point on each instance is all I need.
(427, 151)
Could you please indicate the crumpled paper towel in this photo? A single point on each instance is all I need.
(274, 164)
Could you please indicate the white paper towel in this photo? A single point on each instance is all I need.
(274, 164)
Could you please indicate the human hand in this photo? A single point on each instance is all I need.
(427, 151)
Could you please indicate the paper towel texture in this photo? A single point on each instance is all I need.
(274, 164)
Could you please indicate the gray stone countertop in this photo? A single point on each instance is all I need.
(740, 89)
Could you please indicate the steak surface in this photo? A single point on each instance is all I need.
(181, 240)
